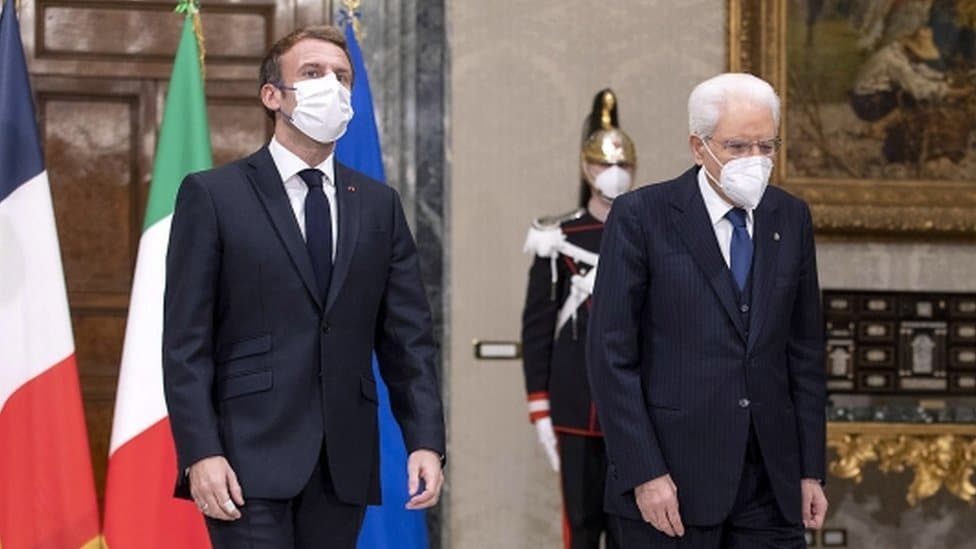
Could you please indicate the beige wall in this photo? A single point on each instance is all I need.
(523, 75)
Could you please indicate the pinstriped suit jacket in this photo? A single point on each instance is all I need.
(676, 372)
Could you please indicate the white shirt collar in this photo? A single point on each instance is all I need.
(716, 205)
(289, 164)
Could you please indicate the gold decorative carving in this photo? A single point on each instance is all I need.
(938, 455)
(757, 43)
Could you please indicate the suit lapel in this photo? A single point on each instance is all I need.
(348, 195)
(691, 219)
(766, 237)
(271, 191)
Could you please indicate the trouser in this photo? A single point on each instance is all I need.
(755, 521)
(313, 519)
(583, 473)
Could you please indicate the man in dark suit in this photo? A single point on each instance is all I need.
(705, 345)
(285, 271)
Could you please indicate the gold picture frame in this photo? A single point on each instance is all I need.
(903, 208)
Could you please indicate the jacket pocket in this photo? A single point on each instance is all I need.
(368, 388)
(667, 407)
(245, 383)
(242, 348)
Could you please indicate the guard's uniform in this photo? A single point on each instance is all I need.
(553, 337)
(557, 304)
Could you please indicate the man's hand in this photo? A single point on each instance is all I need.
(547, 437)
(657, 500)
(814, 503)
(214, 487)
(426, 465)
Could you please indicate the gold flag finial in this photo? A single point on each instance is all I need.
(192, 8)
(350, 13)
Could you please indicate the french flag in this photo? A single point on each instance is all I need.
(47, 492)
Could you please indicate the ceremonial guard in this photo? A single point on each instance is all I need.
(566, 250)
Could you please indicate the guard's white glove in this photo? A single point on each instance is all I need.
(584, 283)
(543, 242)
(547, 437)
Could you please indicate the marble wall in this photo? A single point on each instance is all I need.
(404, 46)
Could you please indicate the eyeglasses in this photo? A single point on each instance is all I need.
(741, 147)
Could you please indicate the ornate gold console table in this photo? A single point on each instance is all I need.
(939, 454)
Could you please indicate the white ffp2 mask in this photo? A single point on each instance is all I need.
(612, 182)
(743, 180)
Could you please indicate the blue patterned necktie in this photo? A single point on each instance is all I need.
(318, 229)
(740, 250)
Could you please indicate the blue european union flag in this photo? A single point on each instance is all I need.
(389, 525)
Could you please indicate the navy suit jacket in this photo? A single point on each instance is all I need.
(257, 368)
(676, 372)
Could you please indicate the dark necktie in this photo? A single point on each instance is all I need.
(318, 229)
(740, 250)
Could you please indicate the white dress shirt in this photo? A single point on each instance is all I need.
(289, 165)
(717, 208)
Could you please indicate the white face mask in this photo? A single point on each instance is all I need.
(743, 180)
(322, 109)
(612, 182)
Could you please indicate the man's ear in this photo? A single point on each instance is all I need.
(695, 144)
(270, 97)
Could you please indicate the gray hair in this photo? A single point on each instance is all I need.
(707, 99)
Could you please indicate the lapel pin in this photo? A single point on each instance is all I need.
(775, 236)
(352, 189)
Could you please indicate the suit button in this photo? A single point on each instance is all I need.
(325, 327)
(744, 308)
(743, 403)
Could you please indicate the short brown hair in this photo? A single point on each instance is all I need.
(271, 64)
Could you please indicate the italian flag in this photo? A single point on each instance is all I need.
(47, 491)
(140, 510)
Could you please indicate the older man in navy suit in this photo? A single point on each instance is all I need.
(705, 345)
(285, 271)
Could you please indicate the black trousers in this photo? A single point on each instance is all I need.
(583, 472)
(755, 521)
(314, 519)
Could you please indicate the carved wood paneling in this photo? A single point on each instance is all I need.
(238, 127)
(98, 343)
(137, 39)
(117, 30)
(91, 152)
